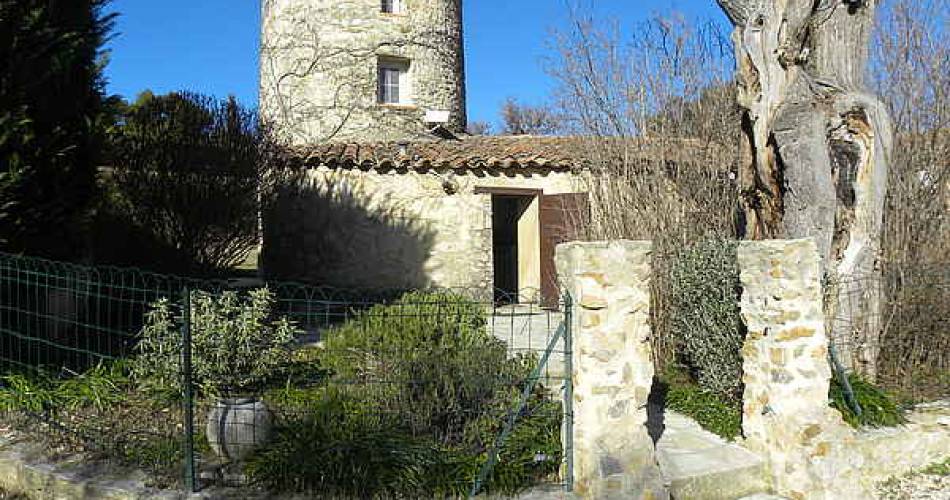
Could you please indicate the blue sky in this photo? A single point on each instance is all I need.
(210, 46)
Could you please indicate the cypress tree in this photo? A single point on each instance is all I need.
(52, 108)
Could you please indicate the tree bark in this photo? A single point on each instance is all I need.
(817, 148)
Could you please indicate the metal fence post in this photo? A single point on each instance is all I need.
(842, 377)
(190, 477)
(568, 446)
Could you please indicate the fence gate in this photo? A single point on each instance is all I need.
(552, 375)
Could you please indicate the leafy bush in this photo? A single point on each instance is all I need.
(428, 357)
(711, 411)
(705, 315)
(185, 174)
(878, 408)
(236, 346)
(342, 448)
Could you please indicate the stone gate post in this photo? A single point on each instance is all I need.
(786, 416)
(613, 368)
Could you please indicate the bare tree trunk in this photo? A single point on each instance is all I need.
(818, 145)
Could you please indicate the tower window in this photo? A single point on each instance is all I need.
(394, 81)
(392, 6)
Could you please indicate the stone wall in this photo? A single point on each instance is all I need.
(810, 451)
(613, 368)
(393, 229)
(319, 58)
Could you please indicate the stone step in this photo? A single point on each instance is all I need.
(697, 464)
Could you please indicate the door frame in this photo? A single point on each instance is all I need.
(506, 191)
(538, 194)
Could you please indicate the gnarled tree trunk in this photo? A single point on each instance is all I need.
(818, 144)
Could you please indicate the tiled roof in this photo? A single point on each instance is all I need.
(482, 152)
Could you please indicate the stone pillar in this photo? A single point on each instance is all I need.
(786, 416)
(613, 368)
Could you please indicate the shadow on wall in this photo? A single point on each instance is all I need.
(328, 233)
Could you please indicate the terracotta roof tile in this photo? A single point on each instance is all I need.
(486, 152)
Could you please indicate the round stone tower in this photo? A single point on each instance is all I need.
(362, 70)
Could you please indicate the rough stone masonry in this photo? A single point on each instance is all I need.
(810, 452)
(786, 416)
(319, 62)
(613, 368)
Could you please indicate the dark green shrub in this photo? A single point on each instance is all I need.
(52, 109)
(878, 407)
(428, 357)
(704, 303)
(304, 369)
(335, 441)
(340, 447)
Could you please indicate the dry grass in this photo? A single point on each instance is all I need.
(929, 483)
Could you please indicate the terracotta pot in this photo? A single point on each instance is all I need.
(236, 427)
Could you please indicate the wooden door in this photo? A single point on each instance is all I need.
(563, 217)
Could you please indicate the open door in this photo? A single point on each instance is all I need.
(516, 245)
(563, 217)
(506, 213)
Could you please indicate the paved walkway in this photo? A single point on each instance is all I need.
(696, 463)
(527, 328)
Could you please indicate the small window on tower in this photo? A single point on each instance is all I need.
(392, 6)
(394, 82)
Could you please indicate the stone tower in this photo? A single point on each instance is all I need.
(362, 70)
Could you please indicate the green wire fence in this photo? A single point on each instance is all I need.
(393, 393)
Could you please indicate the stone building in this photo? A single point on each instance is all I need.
(372, 95)
(483, 213)
(362, 70)
(394, 193)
